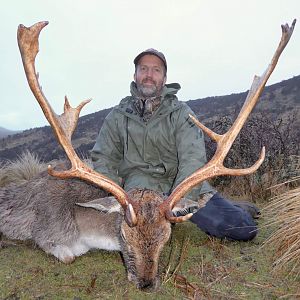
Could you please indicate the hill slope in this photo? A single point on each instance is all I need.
(6, 132)
(280, 100)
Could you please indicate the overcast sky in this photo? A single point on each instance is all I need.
(87, 50)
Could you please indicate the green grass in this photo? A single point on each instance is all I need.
(193, 266)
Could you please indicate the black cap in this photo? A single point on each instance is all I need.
(151, 51)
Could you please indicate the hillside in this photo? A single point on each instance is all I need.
(6, 132)
(278, 101)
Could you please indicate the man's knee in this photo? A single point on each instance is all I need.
(222, 219)
(246, 232)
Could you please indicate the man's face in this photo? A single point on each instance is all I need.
(150, 76)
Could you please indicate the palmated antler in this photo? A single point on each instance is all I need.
(215, 166)
(64, 125)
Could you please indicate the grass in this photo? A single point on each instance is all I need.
(21, 170)
(193, 266)
(284, 212)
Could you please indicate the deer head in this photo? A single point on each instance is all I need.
(147, 215)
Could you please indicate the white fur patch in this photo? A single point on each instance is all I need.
(86, 243)
(63, 253)
(82, 245)
(115, 208)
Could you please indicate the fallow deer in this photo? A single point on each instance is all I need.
(68, 217)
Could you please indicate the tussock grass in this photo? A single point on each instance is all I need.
(192, 265)
(2, 173)
(260, 188)
(27, 166)
(283, 213)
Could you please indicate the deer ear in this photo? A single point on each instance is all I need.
(106, 205)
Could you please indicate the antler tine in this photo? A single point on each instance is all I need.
(215, 166)
(65, 124)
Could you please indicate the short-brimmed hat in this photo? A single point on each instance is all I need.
(151, 51)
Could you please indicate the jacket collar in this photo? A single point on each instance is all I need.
(169, 103)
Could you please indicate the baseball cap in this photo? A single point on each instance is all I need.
(151, 51)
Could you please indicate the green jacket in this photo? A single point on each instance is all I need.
(157, 154)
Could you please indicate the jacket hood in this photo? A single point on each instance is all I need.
(169, 88)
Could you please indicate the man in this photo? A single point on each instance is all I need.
(149, 141)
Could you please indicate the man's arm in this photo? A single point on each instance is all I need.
(108, 149)
(191, 152)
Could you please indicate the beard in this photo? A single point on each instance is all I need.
(149, 90)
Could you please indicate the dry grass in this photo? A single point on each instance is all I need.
(24, 168)
(283, 213)
(193, 265)
(259, 188)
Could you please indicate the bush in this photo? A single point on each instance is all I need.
(281, 161)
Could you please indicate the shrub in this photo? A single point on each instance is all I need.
(281, 161)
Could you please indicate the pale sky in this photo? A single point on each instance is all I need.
(212, 47)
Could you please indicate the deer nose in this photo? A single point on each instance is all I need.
(146, 285)
(149, 284)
